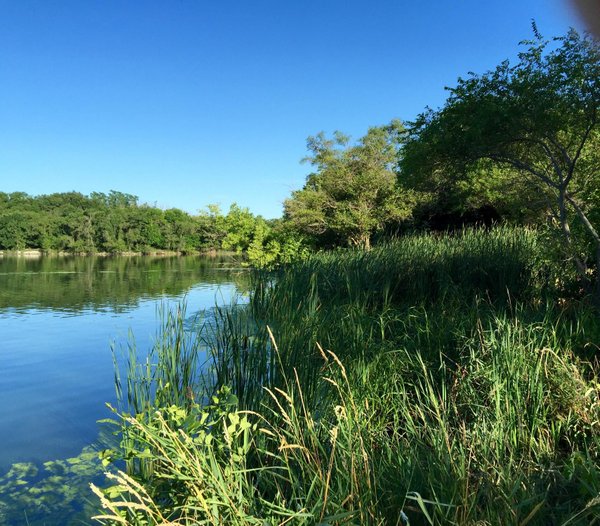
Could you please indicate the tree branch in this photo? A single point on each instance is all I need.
(583, 218)
(520, 165)
(549, 153)
(584, 139)
(561, 149)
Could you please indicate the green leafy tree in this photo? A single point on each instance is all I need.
(484, 188)
(152, 227)
(240, 226)
(116, 223)
(539, 120)
(211, 227)
(15, 229)
(275, 243)
(353, 191)
(180, 230)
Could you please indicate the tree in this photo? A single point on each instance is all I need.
(16, 229)
(240, 225)
(353, 193)
(181, 229)
(538, 118)
(274, 243)
(151, 227)
(211, 227)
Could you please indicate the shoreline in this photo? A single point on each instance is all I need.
(36, 253)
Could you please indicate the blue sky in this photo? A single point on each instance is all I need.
(188, 102)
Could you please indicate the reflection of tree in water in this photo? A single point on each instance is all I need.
(115, 284)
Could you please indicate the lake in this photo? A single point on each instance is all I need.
(59, 317)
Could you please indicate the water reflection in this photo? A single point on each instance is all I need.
(117, 284)
(58, 317)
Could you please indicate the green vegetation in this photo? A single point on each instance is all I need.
(116, 223)
(430, 379)
(353, 194)
(537, 123)
(518, 144)
(433, 380)
(406, 378)
(54, 492)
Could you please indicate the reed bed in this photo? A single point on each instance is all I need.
(431, 380)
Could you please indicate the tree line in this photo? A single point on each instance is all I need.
(116, 222)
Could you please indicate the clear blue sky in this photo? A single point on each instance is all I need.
(191, 102)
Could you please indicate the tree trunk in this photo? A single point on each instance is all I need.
(580, 265)
(594, 290)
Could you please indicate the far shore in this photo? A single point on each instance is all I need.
(34, 253)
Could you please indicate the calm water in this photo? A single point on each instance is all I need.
(58, 317)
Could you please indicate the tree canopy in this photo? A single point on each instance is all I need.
(536, 120)
(353, 191)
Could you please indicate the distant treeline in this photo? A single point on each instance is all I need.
(116, 222)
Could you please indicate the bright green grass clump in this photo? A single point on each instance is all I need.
(432, 380)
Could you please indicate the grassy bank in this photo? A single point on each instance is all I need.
(432, 380)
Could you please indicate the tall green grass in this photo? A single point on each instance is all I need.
(423, 292)
(432, 380)
(423, 268)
